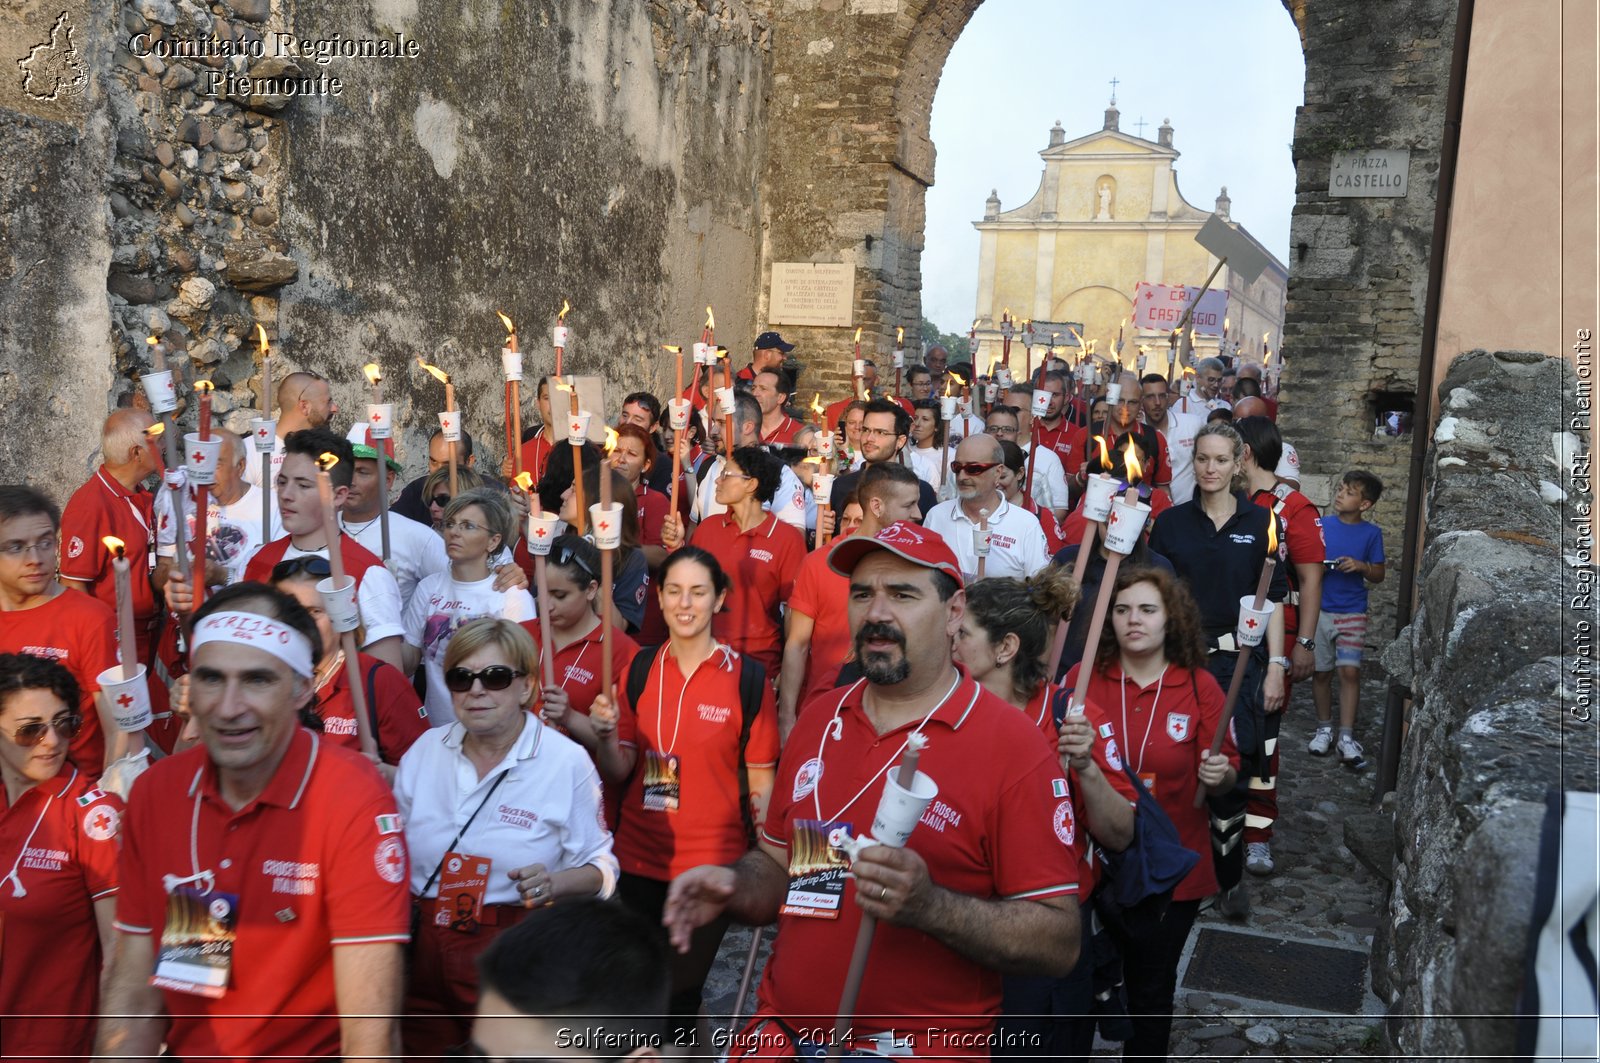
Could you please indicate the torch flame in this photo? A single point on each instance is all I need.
(155, 430)
(565, 308)
(1005, 315)
(611, 439)
(438, 374)
(261, 336)
(115, 545)
(1105, 455)
(525, 481)
(711, 319)
(858, 334)
(506, 321)
(327, 461)
(722, 352)
(899, 335)
(373, 373)
(959, 379)
(816, 402)
(1265, 336)
(1225, 324)
(1272, 535)
(561, 385)
(1130, 464)
(672, 347)
(203, 385)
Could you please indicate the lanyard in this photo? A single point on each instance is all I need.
(1149, 723)
(498, 779)
(661, 681)
(101, 474)
(16, 880)
(836, 728)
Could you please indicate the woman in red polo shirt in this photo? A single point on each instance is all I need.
(1151, 682)
(1002, 641)
(392, 702)
(683, 807)
(633, 456)
(58, 847)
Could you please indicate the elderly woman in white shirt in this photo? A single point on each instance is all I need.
(501, 815)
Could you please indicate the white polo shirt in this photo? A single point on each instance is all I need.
(546, 811)
(1180, 431)
(415, 550)
(1016, 539)
(792, 503)
(1049, 477)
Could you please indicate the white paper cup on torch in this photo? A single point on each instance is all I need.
(1097, 497)
(705, 354)
(825, 445)
(380, 420)
(678, 414)
(606, 522)
(200, 457)
(947, 407)
(559, 336)
(898, 360)
(899, 809)
(1041, 403)
(264, 434)
(990, 390)
(159, 390)
(578, 427)
(725, 402)
(1124, 525)
(541, 532)
(822, 487)
(129, 699)
(860, 367)
(1113, 393)
(340, 604)
(1252, 622)
(964, 407)
(450, 425)
(511, 362)
(982, 539)
(1002, 377)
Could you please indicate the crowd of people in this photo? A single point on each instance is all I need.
(443, 833)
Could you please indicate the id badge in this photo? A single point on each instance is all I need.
(660, 782)
(196, 953)
(816, 871)
(462, 885)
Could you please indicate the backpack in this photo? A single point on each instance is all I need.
(752, 680)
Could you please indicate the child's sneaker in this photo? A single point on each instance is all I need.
(1321, 742)
(1350, 753)
(1258, 858)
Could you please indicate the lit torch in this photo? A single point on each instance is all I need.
(511, 366)
(559, 336)
(378, 435)
(339, 583)
(202, 499)
(1248, 619)
(449, 408)
(607, 556)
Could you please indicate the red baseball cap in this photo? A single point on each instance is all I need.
(913, 542)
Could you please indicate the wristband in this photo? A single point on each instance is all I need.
(1281, 662)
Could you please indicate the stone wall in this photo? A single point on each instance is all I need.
(1376, 77)
(1501, 684)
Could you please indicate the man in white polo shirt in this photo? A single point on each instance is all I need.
(1016, 540)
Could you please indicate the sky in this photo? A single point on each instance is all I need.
(1230, 88)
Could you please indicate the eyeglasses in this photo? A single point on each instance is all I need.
(17, 548)
(972, 468)
(1001, 430)
(31, 734)
(440, 500)
(494, 677)
(727, 475)
(462, 526)
(879, 433)
(311, 565)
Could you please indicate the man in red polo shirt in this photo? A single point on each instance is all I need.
(817, 641)
(37, 617)
(264, 903)
(113, 502)
(987, 882)
(300, 508)
(768, 352)
(1056, 432)
(772, 389)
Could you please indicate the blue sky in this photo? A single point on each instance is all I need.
(1228, 73)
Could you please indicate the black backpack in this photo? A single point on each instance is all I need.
(752, 680)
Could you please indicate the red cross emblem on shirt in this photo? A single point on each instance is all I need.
(1252, 623)
(101, 822)
(124, 701)
(393, 857)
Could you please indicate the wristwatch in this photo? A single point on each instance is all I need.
(1309, 644)
(1281, 662)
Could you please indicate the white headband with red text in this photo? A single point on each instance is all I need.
(258, 632)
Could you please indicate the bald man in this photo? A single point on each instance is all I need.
(1017, 544)
(233, 525)
(114, 502)
(305, 400)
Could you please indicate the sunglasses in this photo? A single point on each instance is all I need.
(311, 565)
(569, 556)
(66, 725)
(494, 677)
(972, 468)
(441, 500)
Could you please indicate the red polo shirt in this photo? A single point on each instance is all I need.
(1300, 542)
(784, 434)
(50, 981)
(823, 595)
(536, 455)
(1002, 827)
(653, 509)
(1067, 440)
(696, 719)
(401, 720)
(357, 559)
(761, 565)
(79, 633)
(1164, 733)
(104, 507)
(314, 862)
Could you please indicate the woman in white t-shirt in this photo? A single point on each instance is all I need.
(474, 525)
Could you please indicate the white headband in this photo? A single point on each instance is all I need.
(258, 632)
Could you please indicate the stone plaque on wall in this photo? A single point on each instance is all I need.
(812, 293)
(1369, 173)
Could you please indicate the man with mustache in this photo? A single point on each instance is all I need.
(985, 885)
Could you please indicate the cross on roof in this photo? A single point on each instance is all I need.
(1140, 124)
(1114, 84)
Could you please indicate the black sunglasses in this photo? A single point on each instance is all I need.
(66, 725)
(441, 500)
(495, 677)
(972, 468)
(311, 565)
(568, 555)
